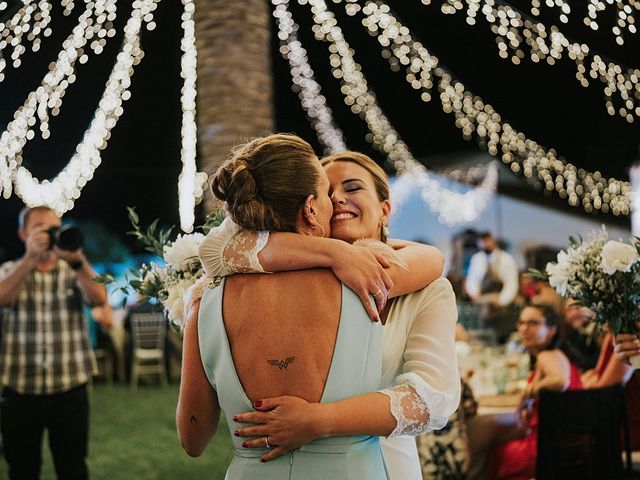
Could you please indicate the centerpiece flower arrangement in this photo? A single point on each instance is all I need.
(165, 282)
(602, 275)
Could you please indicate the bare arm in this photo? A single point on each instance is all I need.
(228, 249)
(424, 264)
(11, 284)
(367, 414)
(95, 292)
(198, 410)
(616, 372)
(36, 244)
(555, 372)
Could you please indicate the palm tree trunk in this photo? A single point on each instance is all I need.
(234, 99)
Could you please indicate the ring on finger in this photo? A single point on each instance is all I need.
(266, 442)
(377, 293)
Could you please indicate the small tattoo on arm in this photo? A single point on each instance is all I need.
(193, 420)
(281, 363)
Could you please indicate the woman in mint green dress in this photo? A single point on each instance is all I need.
(300, 333)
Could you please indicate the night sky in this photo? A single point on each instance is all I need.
(141, 164)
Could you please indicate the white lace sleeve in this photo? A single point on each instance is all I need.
(427, 391)
(228, 249)
(409, 410)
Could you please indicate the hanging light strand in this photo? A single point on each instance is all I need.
(518, 36)
(475, 117)
(309, 92)
(190, 181)
(61, 192)
(625, 14)
(452, 207)
(30, 23)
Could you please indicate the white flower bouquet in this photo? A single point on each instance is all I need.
(602, 275)
(166, 282)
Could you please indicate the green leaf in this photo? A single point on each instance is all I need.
(537, 274)
(133, 216)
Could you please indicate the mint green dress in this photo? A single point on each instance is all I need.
(355, 369)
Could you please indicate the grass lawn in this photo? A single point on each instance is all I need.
(133, 437)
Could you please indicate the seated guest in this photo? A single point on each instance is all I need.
(612, 370)
(550, 370)
(580, 340)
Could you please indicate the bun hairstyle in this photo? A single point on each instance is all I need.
(266, 181)
(380, 179)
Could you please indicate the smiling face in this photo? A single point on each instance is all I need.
(536, 334)
(357, 210)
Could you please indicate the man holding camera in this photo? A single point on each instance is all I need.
(46, 360)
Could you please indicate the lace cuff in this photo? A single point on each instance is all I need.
(417, 407)
(409, 410)
(228, 249)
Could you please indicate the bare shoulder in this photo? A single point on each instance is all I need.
(553, 357)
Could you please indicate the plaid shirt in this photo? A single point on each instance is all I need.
(45, 345)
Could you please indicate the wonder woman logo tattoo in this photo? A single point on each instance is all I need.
(281, 364)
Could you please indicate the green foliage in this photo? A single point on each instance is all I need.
(151, 240)
(537, 274)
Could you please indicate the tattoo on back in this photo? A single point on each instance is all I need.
(281, 363)
(193, 420)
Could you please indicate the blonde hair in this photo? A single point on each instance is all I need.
(265, 181)
(380, 179)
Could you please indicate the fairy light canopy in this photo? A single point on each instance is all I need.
(545, 102)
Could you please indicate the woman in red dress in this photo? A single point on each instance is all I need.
(551, 370)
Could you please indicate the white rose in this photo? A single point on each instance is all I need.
(184, 248)
(618, 257)
(174, 303)
(559, 273)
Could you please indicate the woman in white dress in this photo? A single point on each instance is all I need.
(421, 384)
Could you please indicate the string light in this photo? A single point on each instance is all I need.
(474, 116)
(313, 102)
(452, 207)
(516, 33)
(190, 181)
(61, 192)
(624, 15)
(30, 21)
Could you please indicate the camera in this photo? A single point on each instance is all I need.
(66, 237)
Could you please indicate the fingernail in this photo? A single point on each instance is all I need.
(262, 460)
(235, 418)
(236, 433)
(257, 403)
(244, 444)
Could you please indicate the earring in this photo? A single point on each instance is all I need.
(323, 231)
(385, 231)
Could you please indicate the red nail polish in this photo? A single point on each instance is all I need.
(257, 403)
(236, 433)
(235, 418)
(262, 460)
(244, 444)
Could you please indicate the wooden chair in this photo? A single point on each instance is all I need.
(104, 359)
(579, 435)
(148, 333)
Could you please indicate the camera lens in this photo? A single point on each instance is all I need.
(66, 237)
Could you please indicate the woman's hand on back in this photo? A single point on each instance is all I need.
(363, 271)
(288, 423)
